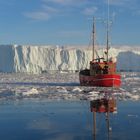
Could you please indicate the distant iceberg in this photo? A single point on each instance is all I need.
(38, 59)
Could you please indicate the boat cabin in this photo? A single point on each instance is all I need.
(102, 68)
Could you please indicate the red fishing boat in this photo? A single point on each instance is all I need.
(102, 71)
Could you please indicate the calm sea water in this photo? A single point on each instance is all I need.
(36, 119)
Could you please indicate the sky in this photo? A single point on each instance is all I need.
(68, 22)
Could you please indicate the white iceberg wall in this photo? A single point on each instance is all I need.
(74, 59)
(36, 59)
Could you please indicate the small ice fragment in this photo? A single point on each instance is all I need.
(135, 97)
(76, 89)
(30, 92)
(62, 90)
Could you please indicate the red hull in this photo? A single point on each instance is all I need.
(101, 80)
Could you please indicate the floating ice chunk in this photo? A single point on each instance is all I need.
(30, 92)
(135, 97)
(93, 95)
(62, 90)
(127, 94)
(91, 98)
(77, 89)
(134, 91)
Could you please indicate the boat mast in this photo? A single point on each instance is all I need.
(107, 33)
(93, 43)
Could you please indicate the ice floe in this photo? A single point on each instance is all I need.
(32, 91)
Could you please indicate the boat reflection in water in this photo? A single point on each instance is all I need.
(106, 106)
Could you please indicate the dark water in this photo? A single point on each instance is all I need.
(36, 119)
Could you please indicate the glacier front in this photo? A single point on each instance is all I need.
(38, 59)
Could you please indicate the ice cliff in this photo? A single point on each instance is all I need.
(37, 59)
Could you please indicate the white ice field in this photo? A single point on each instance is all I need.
(64, 86)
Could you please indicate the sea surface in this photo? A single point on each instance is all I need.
(56, 107)
(66, 120)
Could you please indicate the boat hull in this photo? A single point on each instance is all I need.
(100, 80)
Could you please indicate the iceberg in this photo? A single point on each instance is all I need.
(39, 59)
